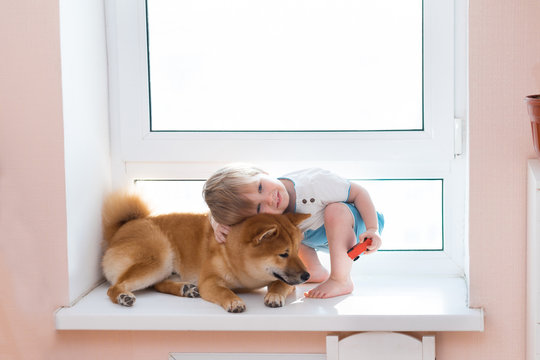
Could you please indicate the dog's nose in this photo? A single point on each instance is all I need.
(305, 276)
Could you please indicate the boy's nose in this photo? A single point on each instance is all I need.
(270, 198)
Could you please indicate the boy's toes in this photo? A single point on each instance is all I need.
(330, 288)
(314, 294)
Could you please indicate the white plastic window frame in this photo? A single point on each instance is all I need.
(138, 153)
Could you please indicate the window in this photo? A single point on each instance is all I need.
(195, 85)
(285, 65)
(404, 203)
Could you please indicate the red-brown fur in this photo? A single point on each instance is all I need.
(142, 251)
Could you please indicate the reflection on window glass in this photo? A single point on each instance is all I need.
(412, 208)
(291, 65)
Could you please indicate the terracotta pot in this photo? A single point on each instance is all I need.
(533, 106)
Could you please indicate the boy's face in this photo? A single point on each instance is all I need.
(268, 195)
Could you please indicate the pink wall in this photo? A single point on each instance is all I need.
(33, 260)
(504, 68)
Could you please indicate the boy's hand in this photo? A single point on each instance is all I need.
(220, 231)
(375, 238)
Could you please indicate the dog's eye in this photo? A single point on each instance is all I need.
(284, 255)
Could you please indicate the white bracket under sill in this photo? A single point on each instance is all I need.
(379, 303)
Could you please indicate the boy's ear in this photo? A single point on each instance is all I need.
(265, 234)
(297, 218)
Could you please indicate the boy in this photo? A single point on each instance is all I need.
(341, 212)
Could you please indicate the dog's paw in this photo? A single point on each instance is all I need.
(125, 299)
(236, 306)
(191, 291)
(274, 300)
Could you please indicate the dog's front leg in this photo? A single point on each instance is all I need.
(212, 289)
(277, 292)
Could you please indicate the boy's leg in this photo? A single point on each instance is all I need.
(317, 272)
(339, 223)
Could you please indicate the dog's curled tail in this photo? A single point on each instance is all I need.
(118, 209)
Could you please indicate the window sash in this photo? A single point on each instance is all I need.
(139, 153)
(130, 106)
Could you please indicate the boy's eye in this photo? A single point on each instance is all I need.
(260, 188)
(258, 208)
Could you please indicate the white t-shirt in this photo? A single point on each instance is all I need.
(315, 188)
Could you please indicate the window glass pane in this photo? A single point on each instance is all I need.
(412, 212)
(166, 196)
(290, 65)
(412, 208)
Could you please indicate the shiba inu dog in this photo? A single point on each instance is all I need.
(143, 250)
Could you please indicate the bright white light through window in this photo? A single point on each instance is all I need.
(412, 208)
(166, 196)
(291, 65)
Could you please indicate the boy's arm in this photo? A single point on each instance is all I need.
(362, 201)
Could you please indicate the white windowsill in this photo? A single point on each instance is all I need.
(379, 303)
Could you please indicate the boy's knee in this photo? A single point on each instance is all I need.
(337, 214)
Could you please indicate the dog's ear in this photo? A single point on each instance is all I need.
(297, 218)
(265, 234)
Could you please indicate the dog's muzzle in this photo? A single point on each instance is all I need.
(294, 280)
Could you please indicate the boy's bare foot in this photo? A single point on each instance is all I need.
(331, 288)
(317, 274)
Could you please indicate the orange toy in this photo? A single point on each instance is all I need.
(357, 250)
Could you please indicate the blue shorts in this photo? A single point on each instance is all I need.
(317, 240)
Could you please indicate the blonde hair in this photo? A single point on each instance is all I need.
(224, 193)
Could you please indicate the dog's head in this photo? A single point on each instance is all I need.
(270, 247)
